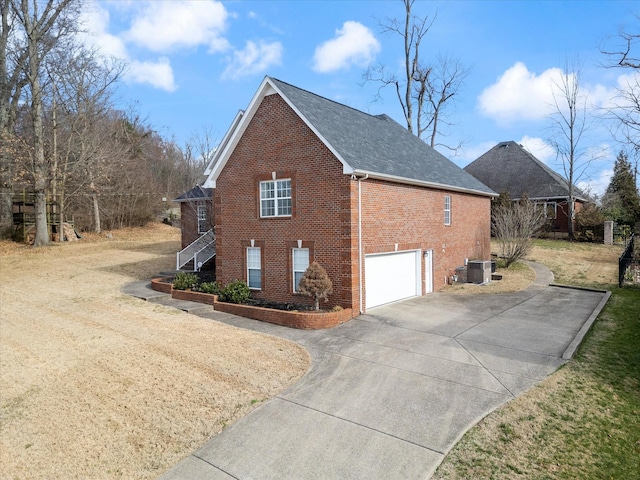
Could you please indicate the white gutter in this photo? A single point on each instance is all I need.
(360, 241)
(422, 183)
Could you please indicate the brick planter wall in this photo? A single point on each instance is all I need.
(302, 320)
(161, 285)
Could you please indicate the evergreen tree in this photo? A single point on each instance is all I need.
(621, 201)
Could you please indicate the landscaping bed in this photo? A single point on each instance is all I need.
(285, 314)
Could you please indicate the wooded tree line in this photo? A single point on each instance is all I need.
(62, 140)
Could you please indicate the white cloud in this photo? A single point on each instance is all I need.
(598, 185)
(354, 44)
(469, 154)
(255, 58)
(539, 149)
(169, 25)
(520, 94)
(95, 21)
(157, 74)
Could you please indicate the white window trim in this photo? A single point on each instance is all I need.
(447, 210)
(251, 267)
(201, 215)
(293, 266)
(275, 198)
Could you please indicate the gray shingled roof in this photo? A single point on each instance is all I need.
(377, 144)
(508, 167)
(196, 193)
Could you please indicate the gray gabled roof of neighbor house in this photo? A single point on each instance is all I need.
(509, 167)
(365, 144)
(196, 193)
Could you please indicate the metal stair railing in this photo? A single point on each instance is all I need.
(200, 251)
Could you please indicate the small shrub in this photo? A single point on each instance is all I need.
(337, 308)
(185, 281)
(315, 283)
(210, 287)
(235, 292)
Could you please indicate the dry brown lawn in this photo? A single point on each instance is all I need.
(96, 384)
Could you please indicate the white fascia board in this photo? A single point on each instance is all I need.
(422, 183)
(546, 199)
(210, 182)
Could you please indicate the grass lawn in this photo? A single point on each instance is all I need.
(584, 420)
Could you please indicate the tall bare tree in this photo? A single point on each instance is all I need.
(626, 111)
(424, 89)
(82, 94)
(12, 81)
(43, 25)
(569, 122)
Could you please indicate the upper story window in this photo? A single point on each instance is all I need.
(203, 224)
(447, 210)
(275, 198)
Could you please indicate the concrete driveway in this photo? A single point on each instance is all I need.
(391, 392)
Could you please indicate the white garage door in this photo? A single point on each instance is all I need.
(391, 276)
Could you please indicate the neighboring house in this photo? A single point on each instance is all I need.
(508, 167)
(300, 178)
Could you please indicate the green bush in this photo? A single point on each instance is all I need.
(210, 287)
(185, 281)
(235, 292)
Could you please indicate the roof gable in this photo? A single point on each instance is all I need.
(363, 143)
(508, 167)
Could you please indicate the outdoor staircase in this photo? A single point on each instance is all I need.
(199, 252)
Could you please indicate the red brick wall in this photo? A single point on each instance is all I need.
(325, 213)
(413, 217)
(189, 220)
(278, 141)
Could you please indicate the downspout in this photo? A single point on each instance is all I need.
(360, 241)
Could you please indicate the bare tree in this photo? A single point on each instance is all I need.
(515, 224)
(424, 90)
(569, 122)
(626, 111)
(83, 87)
(12, 81)
(42, 30)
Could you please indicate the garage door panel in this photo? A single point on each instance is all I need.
(391, 277)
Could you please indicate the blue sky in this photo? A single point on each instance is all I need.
(193, 65)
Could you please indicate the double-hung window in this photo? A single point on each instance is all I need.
(300, 263)
(447, 210)
(202, 219)
(254, 268)
(275, 198)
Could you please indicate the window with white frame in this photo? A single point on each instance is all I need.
(202, 219)
(447, 210)
(275, 198)
(300, 263)
(254, 268)
(551, 210)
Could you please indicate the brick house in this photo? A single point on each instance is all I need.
(300, 178)
(508, 167)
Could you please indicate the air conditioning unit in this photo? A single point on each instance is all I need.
(479, 271)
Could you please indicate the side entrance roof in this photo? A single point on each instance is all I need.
(365, 144)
